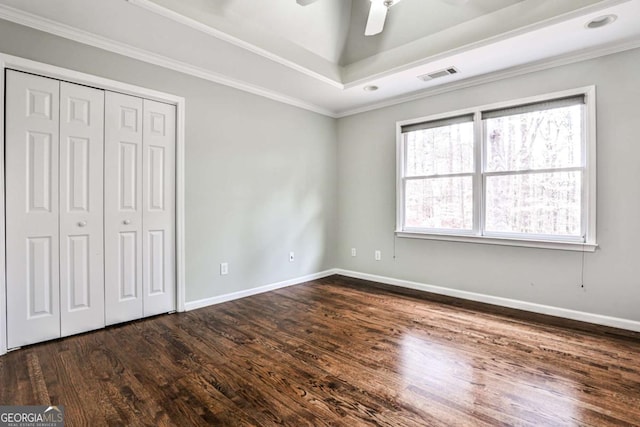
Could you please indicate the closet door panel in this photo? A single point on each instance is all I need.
(31, 150)
(123, 208)
(81, 208)
(158, 261)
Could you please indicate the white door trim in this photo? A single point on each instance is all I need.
(26, 65)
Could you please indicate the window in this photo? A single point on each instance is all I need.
(520, 173)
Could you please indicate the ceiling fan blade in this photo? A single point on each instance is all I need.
(305, 2)
(377, 16)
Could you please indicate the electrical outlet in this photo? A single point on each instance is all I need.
(378, 255)
(224, 269)
(353, 252)
(292, 257)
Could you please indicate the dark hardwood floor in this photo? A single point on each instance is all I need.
(336, 352)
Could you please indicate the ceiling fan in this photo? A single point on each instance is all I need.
(378, 13)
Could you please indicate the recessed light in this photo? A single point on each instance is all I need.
(370, 88)
(601, 21)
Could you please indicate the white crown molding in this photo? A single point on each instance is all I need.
(582, 316)
(545, 64)
(221, 35)
(39, 23)
(150, 6)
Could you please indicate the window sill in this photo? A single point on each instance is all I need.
(540, 244)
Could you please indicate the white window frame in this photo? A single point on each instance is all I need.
(477, 235)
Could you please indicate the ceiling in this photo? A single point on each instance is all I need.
(316, 57)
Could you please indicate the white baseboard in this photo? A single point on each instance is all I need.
(582, 316)
(598, 319)
(193, 305)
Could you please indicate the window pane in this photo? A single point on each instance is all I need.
(538, 140)
(542, 203)
(444, 203)
(440, 150)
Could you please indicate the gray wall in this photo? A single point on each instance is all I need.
(263, 178)
(366, 200)
(260, 175)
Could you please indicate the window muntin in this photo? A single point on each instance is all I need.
(515, 172)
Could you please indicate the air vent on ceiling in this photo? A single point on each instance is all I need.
(439, 73)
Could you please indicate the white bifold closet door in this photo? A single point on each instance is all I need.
(139, 208)
(158, 207)
(123, 208)
(90, 208)
(81, 209)
(54, 149)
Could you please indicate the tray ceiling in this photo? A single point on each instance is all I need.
(316, 57)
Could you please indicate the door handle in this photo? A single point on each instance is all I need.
(82, 224)
(126, 222)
